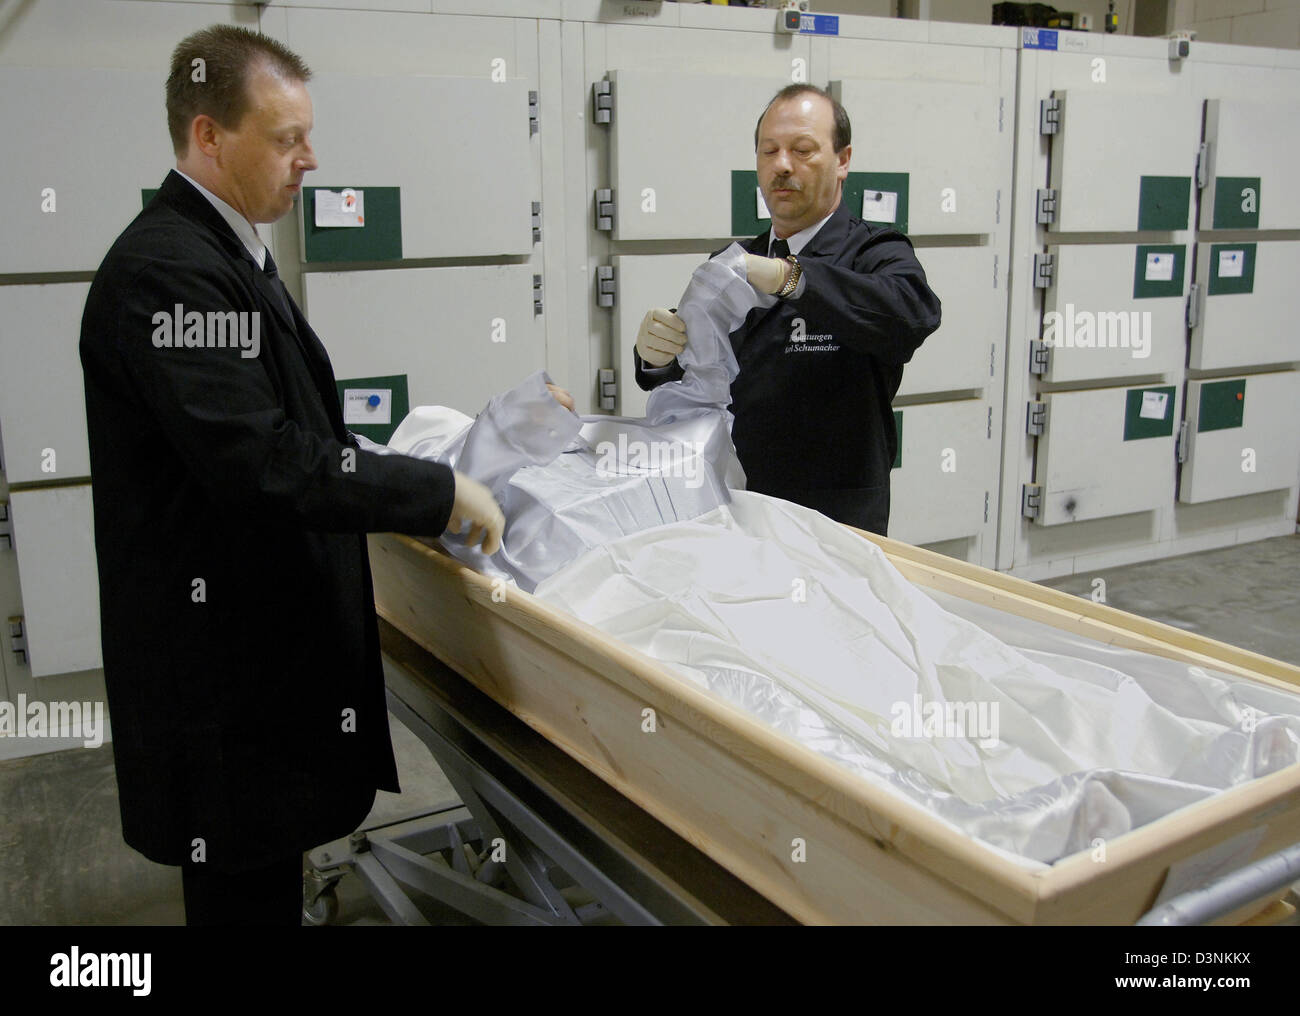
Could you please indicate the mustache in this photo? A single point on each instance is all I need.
(785, 183)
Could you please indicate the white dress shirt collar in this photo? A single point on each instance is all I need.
(800, 239)
(242, 227)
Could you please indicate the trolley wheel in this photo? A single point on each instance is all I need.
(324, 911)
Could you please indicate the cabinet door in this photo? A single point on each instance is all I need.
(677, 140)
(1124, 162)
(1249, 305)
(944, 138)
(1108, 451)
(1254, 149)
(42, 398)
(946, 471)
(1115, 310)
(460, 335)
(1239, 438)
(54, 538)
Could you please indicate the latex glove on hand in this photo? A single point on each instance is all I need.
(767, 275)
(561, 396)
(661, 338)
(475, 504)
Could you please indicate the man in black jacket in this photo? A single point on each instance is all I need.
(241, 652)
(818, 371)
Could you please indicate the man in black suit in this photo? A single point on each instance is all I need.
(818, 370)
(241, 652)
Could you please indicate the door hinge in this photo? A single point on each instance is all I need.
(606, 387)
(602, 102)
(1044, 270)
(1180, 445)
(533, 122)
(537, 295)
(606, 286)
(1046, 205)
(605, 209)
(1031, 500)
(1049, 116)
(1040, 357)
(1036, 419)
(6, 530)
(537, 221)
(18, 638)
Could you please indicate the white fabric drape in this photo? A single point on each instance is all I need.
(1035, 743)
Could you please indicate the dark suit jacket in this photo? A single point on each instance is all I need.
(814, 420)
(241, 653)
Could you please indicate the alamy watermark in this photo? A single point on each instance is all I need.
(1087, 329)
(975, 721)
(75, 969)
(230, 329)
(54, 719)
(683, 459)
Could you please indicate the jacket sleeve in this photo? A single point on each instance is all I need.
(881, 306)
(220, 413)
(650, 378)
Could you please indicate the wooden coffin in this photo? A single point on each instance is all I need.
(748, 796)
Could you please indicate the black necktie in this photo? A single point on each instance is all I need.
(277, 285)
(780, 249)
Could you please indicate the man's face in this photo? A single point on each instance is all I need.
(799, 171)
(261, 163)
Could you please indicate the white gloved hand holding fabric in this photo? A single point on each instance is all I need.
(661, 337)
(475, 504)
(767, 275)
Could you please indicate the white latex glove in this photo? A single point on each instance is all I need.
(475, 504)
(661, 338)
(767, 275)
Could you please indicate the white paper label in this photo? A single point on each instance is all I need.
(1231, 263)
(761, 205)
(1154, 405)
(1160, 268)
(368, 405)
(335, 209)
(880, 206)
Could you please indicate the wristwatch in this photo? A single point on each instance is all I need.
(792, 283)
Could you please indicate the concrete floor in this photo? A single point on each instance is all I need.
(62, 859)
(1247, 596)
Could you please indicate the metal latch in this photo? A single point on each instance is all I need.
(1036, 419)
(1180, 445)
(607, 387)
(533, 123)
(1044, 270)
(1040, 357)
(1203, 165)
(1031, 500)
(537, 295)
(6, 530)
(604, 209)
(537, 221)
(1046, 207)
(1194, 305)
(1049, 116)
(602, 102)
(606, 287)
